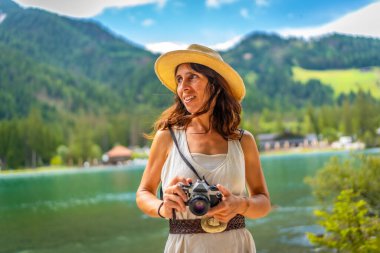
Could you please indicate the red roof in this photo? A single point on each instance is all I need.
(119, 151)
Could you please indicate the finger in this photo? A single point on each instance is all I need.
(214, 210)
(179, 191)
(219, 218)
(224, 219)
(189, 180)
(176, 190)
(226, 193)
(180, 202)
(173, 189)
(172, 206)
(175, 202)
(224, 216)
(176, 180)
(169, 206)
(180, 205)
(168, 190)
(166, 209)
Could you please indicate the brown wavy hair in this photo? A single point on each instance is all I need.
(225, 117)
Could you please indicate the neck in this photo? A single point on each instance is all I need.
(200, 124)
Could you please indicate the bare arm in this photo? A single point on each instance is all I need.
(146, 193)
(258, 204)
(146, 198)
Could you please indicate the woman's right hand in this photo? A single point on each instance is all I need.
(174, 197)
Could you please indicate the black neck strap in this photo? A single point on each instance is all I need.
(183, 157)
(187, 162)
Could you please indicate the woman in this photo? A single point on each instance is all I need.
(204, 122)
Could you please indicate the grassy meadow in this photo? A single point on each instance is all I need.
(343, 81)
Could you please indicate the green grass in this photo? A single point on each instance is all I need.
(343, 81)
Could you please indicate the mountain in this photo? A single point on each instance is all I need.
(266, 62)
(75, 54)
(70, 89)
(63, 64)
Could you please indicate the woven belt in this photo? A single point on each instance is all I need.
(194, 226)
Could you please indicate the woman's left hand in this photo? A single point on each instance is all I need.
(228, 207)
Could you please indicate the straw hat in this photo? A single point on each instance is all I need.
(167, 63)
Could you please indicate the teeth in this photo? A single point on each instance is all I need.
(189, 98)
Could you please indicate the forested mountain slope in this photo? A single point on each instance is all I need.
(50, 53)
(80, 88)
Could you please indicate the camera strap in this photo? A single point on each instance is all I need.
(187, 163)
(183, 157)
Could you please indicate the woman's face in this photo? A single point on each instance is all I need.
(191, 88)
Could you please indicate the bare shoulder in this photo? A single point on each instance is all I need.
(248, 141)
(247, 137)
(162, 141)
(163, 135)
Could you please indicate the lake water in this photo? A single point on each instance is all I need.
(94, 210)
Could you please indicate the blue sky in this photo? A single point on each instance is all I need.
(218, 23)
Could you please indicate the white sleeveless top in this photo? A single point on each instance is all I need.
(229, 173)
(208, 162)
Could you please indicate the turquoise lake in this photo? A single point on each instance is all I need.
(93, 210)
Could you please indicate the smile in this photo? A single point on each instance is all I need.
(188, 99)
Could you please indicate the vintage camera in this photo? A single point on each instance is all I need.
(201, 197)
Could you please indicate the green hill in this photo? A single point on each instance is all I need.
(343, 81)
(80, 48)
(25, 84)
(266, 61)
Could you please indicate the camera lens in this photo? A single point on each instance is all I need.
(199, 205)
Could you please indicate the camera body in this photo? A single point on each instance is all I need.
(201, 197)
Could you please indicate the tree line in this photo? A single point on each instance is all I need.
(71, 139)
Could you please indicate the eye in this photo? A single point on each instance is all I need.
(179, 79)
(193, 76)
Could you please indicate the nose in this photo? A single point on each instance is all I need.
(184, 85)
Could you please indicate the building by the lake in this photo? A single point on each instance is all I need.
(287, 140)
(117, 155)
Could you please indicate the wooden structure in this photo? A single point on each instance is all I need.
(118, 155)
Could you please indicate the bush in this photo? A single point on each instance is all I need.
(351, 189)
(56, 160)
(348, 227)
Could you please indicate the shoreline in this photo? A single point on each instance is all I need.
(267, 154)
(305, 151)
(57, 170)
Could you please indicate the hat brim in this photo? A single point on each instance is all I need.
(167, 63)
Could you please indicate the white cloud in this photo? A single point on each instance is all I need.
(228, 44)
(364, 22)
(84, 8)
(262, 2)
(163, 47)
(217, 3)
(148, 22)
(244, 13)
